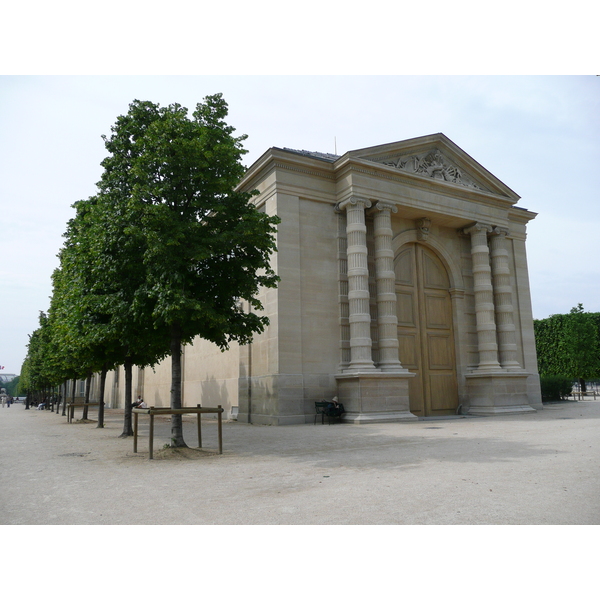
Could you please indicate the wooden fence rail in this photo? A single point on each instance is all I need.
(197, 410)
(72, 405)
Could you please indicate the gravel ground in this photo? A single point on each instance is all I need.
(533, 469)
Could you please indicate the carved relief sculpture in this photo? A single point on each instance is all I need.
(423, 228)
(432, 164)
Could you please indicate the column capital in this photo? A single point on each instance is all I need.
(353, 201)
(476, 228)
(458, 293)
(381, 205)
(500, 231)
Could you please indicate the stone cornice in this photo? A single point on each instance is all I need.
(521, 215)
(276, 159)
(424, 146)
(352, 164)
(304, 169)
(347, 166)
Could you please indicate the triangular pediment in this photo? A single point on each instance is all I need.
(436, 157)
(433, 164)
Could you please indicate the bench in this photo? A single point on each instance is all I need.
(326, 409)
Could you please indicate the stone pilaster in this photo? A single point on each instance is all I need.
(387, 319)
(343, 292)
(484, 298)
(358, 284)
(505, 323)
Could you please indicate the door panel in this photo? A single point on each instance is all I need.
(443, 393)
(409, 350)
(406, 309)
(434, 273)
(439, 352)
(436, 311)
(425, 330)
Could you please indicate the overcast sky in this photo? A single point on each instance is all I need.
(538, 134)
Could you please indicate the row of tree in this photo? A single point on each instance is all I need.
(568, 345)
(166, 250)
(11, 387)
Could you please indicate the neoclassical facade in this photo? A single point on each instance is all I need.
(404, 291)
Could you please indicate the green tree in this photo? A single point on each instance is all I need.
(102, 320)
(569, 345)
(71, 362)
(24, 381)
(205, 246)
(42, 360)
(582, 345)
(12, 387)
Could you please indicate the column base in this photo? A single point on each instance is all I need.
(383, 417)
(491, 411)
(498, 393)
(361, 368)
(375, 397)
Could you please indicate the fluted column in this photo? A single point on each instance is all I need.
(343, 292)
(484, 298)
(505, 322)
(387, 319)
(358, 284)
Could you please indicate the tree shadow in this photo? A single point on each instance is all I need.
(387, 446)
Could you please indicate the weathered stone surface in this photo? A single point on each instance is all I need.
(404, 291)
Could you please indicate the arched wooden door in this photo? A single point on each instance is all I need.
(425, 330)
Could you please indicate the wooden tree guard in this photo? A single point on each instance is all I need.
(197, 410)
(71, 408)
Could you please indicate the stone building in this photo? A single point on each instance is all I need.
(404, 291)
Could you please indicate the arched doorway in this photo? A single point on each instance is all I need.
(425, 330)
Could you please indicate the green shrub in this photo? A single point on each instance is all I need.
(556, 387)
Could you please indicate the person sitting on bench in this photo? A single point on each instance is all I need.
(139, 403)
(334, 408)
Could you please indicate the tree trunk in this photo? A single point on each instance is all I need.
(73, 390)
(101, 398)
(582, 385)
(64, 409)
(177, 440)
(127, 421)
(88, 385)
(62, 395)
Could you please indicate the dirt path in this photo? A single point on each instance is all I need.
(529, 469)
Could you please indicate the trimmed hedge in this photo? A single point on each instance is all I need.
(569, 345)
(556, 387)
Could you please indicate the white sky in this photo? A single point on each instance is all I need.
(538, 134)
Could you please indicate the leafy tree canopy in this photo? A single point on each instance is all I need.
(204, 245)
(569, 344)
(200, 245)
(165, 251)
